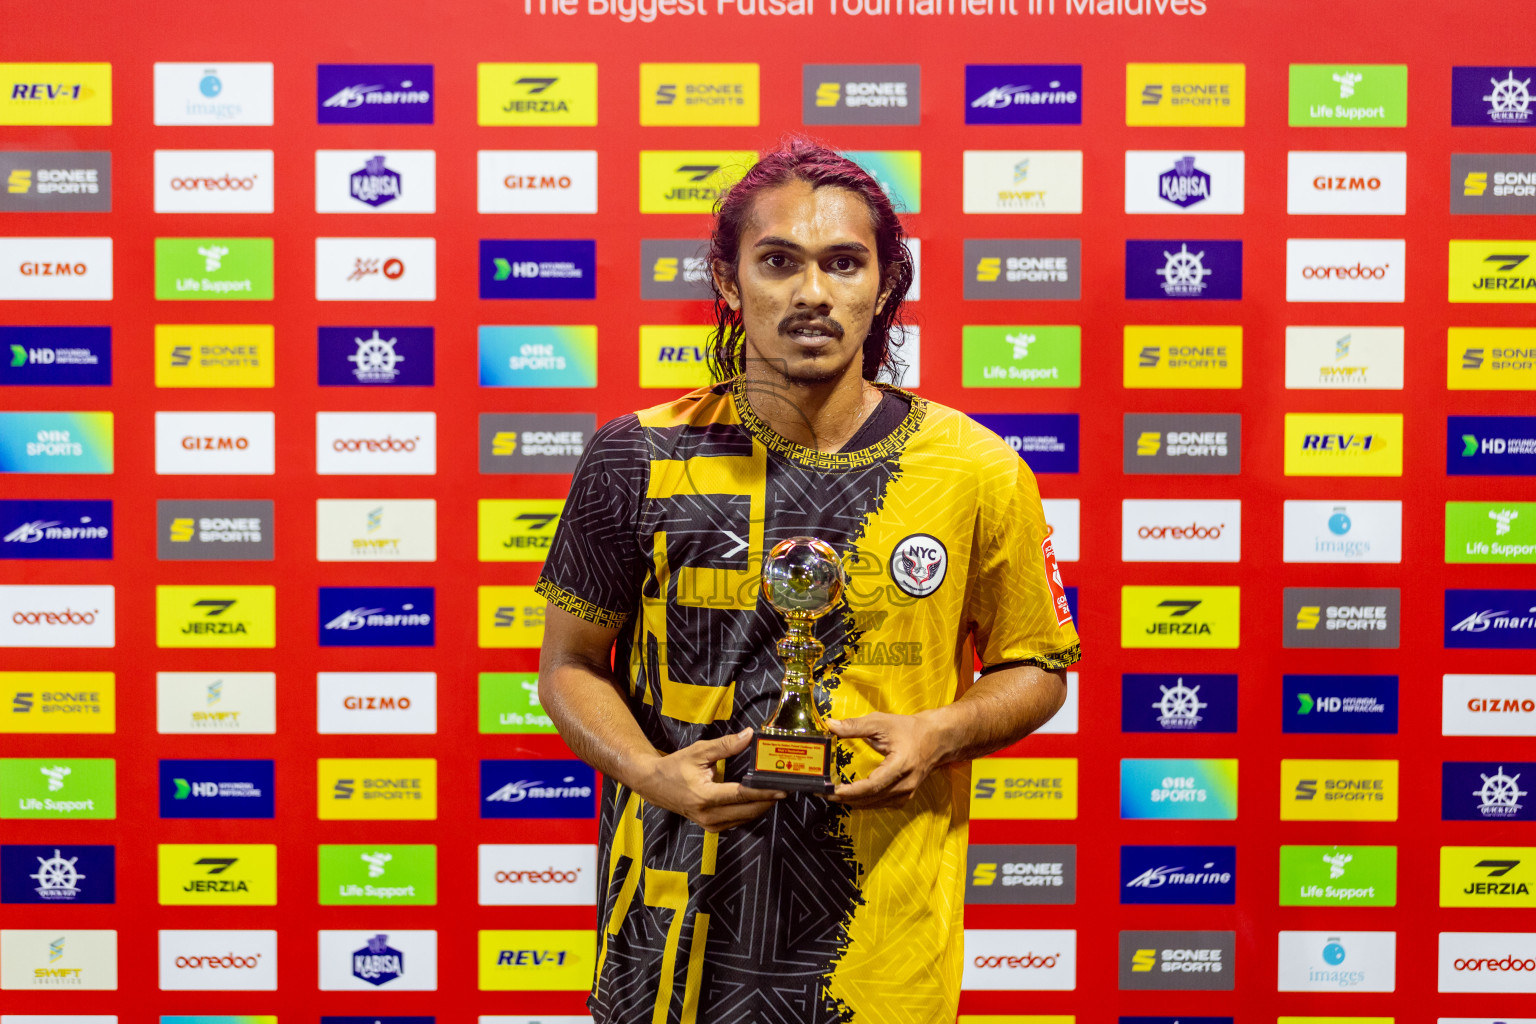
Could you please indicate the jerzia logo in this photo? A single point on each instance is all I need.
(1179, 616)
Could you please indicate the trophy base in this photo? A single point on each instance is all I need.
(792, 783)
(798, 763)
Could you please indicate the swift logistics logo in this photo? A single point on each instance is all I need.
(376, 789)
(1344, 358)
(1034, 788)
(1487, 270)
(216, 702)
(58, 875)
(538, 875)
(1338, 876)
(57, 960)
(537, 960)
(1349, 95)
(1339, 704)
(1343, 444)
(1180, 181)
(1021, 874)
(1496, 97)
(1162, 444)
(689, 180)
(1490, 359)
(1179, 617)
(1343, 531)
(1335, 790)
(57, 356)
(1490, 619)
(214, 355)
(383, 530)
(1023, 94)
(377, 616)
(509, 703)
(376, 356)
(563, 356)
(58, 702)
(56, 269)
(523, 95)
(1016, 959)
(1023, 268)
(1493, 183)
(1349, 183)
(1338, 962)
(699, 94)
(1185, 94)
(370, 181)
(1490, 446)
(1205, 875)
(209, 616)
(216, 789)
(55, 529)
(1023, 181)
(1345, 269)
(1337, 617)
(213, 269)
(536, 181)
(204, 93)
(882, 94)
(1178, 961)
(58, 788)
(62, 181)
(378, 875)
(1487, 876)
(537, 789)
(227, 875)
(1021, 357)
(213, 531)
(540, 443)
(1498, 532)
(1184, 703)
(374, 94)
(1190, 356)
(376, 703)
(1187, 789)
(55, 94)
(1183, 269)
(538, 269)
(517, 529)
(1047, 442)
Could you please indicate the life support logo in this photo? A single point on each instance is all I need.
(918, 564)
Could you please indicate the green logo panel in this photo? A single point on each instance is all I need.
(1338, 876)
(1349, 94)
(1496, 532)
(204, 269)
(1021, 357)
(377, 875)
(509, 702)
(65, 787)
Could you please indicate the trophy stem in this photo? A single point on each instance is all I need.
(797, 712)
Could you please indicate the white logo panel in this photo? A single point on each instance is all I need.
(213, 93)
(1023, 181)
(213, 181)
(1019, 959)
(376, 703)
(382, 530)
(1180, 530)
(353, 961)
(58, 959)
(382, 443)
(1487, 962)
(538, 875)
(1184, 181)
(537, 180)
(216, 702)
(1344, 269)
(1338, 962)
(1344, 358)
(218, 961)
(1064, 722)
(915, 247)
(375, 181)
(376, 269)
(1346, 183)
(1343, 531)
(1485, 705)
(57, 616)
(1062, 525)
(49, 269)
(215, 443)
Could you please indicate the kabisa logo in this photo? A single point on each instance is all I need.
(1335, 790)
(1178, 960)
(1023, 268)
(999, 959)
(216, 789)
(1023, 94)
(1338, 962)
(1178, 703)
(699, 94)
(1024, 787)
(374, 183)
(375, 875)
(213, 94)
(1184, 184)
(1339, 704)
(1202, 789)
(1178, 874)
(1492, 96)
(1486, 791)
(885, 94)
(1490, 619)
(1185, 94)
(1490, 446)
(1021, 874)
(534, 442)
(377, 616)
(1180, 269)
(1487, 876)
(57, 789)
(537, 789)
(1342, 617)
(1194, 616)
(1048, 442)
(378, 963)
(1488, 962)
(674, 268)
(71, 356)
(55, 94)
(538, 269)
(369, 181)
(58, 874)
(62, 181)
(1338, 876)
(55, 529)
(537, 94)
(376, 789)
(375, 356)
(689, 181)
(374, 93)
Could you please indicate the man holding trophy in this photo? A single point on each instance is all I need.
(764, 601)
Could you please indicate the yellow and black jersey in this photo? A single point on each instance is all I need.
(815, 913)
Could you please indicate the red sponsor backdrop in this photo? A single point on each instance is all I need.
(1429, 38)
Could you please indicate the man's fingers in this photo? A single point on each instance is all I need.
(720, 819)
(878, 781)
(710, 751)
(862, 727)
(727, 794)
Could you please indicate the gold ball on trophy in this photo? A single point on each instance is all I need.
(803, 578)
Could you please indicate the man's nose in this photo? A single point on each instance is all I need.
(814, 291)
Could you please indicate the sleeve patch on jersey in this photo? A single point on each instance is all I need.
(579, 606)
(1053, 580)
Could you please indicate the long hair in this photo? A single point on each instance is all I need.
(800, 159)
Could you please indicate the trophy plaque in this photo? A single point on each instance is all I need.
(803, 580)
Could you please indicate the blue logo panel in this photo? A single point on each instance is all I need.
(1490, 446)
(538, 269)
(378, 616)
(1178, 874)
(1179, 268)
(1023, 94)
(374, 94)
(1490, 619)
(1047, 441)
(72, 356)
(216, 789)
(1157, 702)
(1190, 789)
(1487, 791)
(55, 529)
(1176, 1020)
(1498, 97)
(376, 356)
(1339, 704)
(58, 874)
(537, 789)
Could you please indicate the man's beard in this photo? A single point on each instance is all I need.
(823, 374)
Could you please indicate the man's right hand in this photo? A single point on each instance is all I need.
(688, 783)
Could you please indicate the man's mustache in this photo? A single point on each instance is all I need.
(795, 321)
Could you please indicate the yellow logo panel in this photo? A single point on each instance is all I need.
(240, 875)
(699, 94)
(511, 617)
(689, 180)
(1183, 357)
(674, 357)
(1016, 1018)
(213, 355)
(537, 94)
(377, 789)
(1024, 787)
(1185, 94)
(55, 94)
(1493, 271)
(214, 616)
(1323, 790)
(1490, 359)
(542, 960)
(1334, 1020)
(58, 702)
(1204, 617)
(518, 529)
(1343, 444)
(1487, 876)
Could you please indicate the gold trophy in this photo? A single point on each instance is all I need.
(803, 580)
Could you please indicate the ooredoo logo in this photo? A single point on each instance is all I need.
(213, 181)
(395, 443)
(1020, 959)
(238, 961)
(1344, 269)
(57, 616)
(1487, 962)
(1181, 531)
(538, 875)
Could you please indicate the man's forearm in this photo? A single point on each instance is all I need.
(588, 707)
(999, 709)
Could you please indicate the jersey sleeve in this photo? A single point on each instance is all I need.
(595, 568)
(1019, 611)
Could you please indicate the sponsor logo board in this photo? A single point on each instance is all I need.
(47, 269)
(216, 789)
(898, 172)
(369, 181)
(883, 94)
(1178, 530)
(1485, 270)
(1498, 97)
(375, 269)
(517, 529)
(1006, 788)
(1338, 876)
(213, 181)
(1174, 181)
(1343, 444)
(376, 530)
(1333, 182)
(1023, 181)
(540, 443)
(360, 961)
(1017, 959)
(376, 789)
(374, 94)
(1339, 704)
(1490, 446)
(378, 616)
(216, 702)
(1178, 875)
(510, 617)
(58, 788)
(536, 181)
(1487, 876)
(509, 703)
(675, 356)
(213, 93)
(56, 181)
(538, 268)
(56, 442)
(1338, 962)
(376, 703)
(1344, 358)
(699, 94)
(537, 789)
(58, 702)
(1021, 357)
(1490, 619)
(1486, 791)
(215, 616)
(1490, 359)
(538, 875)
(676, 268)
(1338, 790)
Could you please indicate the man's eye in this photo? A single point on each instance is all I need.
(845, 264)
(777, 260)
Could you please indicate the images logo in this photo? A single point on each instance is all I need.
(1183, 357)
(1352, 95)
(538, 357)
(216, 789)
(46, 269)
(537, 961)
(377, 616)
(377, 789)
(537, 789)
(885, 94)
(1486, 270)
(56, 181)
(1193, 617)
(699, 94)
(1344, 358)
(1023, 94)
(1492, 96)
(537, 94)
(1343, 444)
(212, 94)
(207, 269)
(1185, 94)
(1024, 787)
(1021, 874)
(58, 874)
(374, 93)
(689, 181)
(398, 875)
(58, 788)
(1048, 442)
(1184, 961)
(533, 442)
(1336, 617)
(537, 181)
(543, 269)
(231, 616)
(229, 875)
(1338, 790)
(1179, 269)
(1182, 788)
(1178, 874)
(376, 356)
(58, 702)
(55, 529)
(1339, 704)
(1023, 268)
(1490, 619)
(1172, 181)
(998, 959)
(1338, 876)
(1487, 876)
(538, 875)
(56, 94)
(1338, 962)
(1178, 703)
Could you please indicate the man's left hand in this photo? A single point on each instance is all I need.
(911, 749)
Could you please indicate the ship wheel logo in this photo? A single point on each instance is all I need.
(375, 358)
(1184, 273)
(1500, 794)
(1510, 99)
(1180, 706)
(57, 878)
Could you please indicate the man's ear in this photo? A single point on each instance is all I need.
(725, 281)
